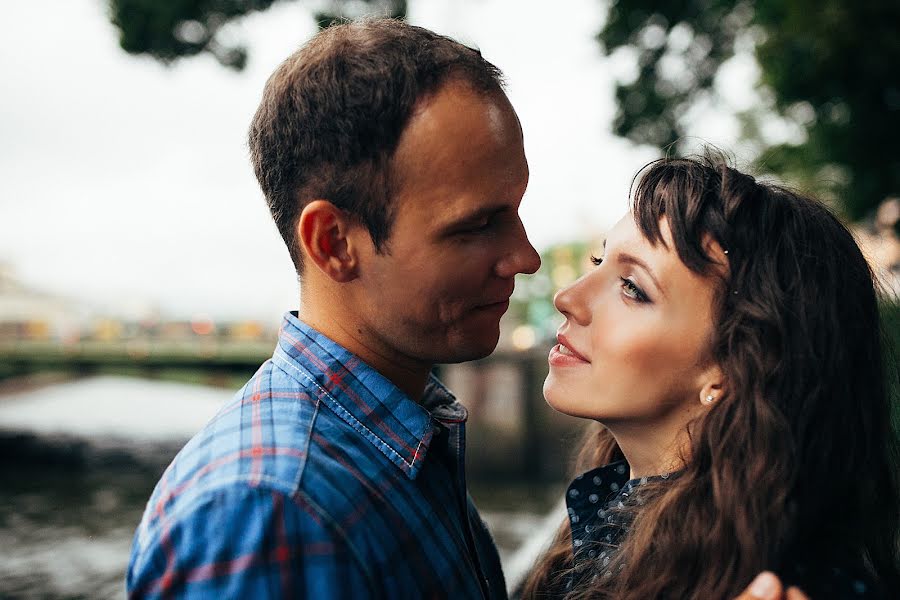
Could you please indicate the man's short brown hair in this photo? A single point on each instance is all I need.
(332, 114)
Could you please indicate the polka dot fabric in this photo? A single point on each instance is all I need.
(595, 502)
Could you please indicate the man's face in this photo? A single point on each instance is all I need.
(437, 294)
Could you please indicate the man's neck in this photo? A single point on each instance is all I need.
(410, 377)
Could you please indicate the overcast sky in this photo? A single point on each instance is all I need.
(126, 184)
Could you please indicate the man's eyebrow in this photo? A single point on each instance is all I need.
(630, 259)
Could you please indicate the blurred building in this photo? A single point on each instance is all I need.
(27, 313)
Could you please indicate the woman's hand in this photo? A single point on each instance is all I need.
(767, 586)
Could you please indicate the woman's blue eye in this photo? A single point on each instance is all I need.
(631, 290)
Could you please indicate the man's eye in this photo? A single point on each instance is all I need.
(482, 226)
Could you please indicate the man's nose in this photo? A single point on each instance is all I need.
(522, 258)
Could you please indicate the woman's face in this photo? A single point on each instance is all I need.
(633, 351)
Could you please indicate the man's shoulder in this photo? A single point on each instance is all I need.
(275, 434)
(275, 448)
(259, 438)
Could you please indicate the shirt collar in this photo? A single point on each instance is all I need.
(606, 485)
(593, 489)
(595, 502)
(595, 498)
(399, 427)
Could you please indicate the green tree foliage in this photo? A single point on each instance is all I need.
(171, 29)
(831, 66)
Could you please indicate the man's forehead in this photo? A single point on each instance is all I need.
(460, 157)
(456, 106)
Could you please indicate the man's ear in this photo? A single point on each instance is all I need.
(323, 232)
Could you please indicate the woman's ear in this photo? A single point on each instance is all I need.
(323, 232)
(713, 387)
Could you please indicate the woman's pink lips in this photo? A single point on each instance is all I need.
(557, 358)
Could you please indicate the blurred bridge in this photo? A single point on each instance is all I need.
(133, 356)
(512, 431)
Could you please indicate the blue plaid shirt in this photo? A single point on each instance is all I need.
(321, 479)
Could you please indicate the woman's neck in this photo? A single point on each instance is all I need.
(650, 452)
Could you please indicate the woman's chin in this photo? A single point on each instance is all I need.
(563, 400)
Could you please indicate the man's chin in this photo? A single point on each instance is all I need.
(473, 349)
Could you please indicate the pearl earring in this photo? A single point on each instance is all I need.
(709, 399)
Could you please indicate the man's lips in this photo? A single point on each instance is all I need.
(500, 305)
(498, 301)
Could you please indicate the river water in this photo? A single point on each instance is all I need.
(78, 460)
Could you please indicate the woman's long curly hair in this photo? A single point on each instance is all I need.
(797, 458)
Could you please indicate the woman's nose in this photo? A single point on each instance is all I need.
(570, 301)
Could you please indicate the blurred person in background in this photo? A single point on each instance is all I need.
(728, 347)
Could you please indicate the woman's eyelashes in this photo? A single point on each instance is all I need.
(630, 289)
